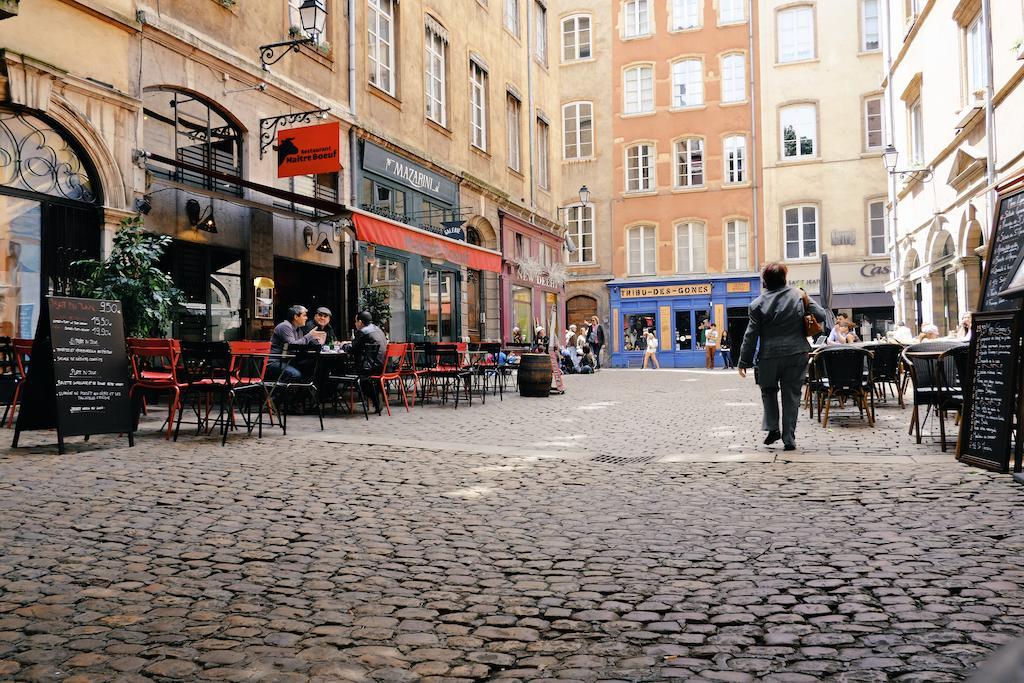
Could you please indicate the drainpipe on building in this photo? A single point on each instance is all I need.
(501, 276)
(531, 116)
(753, 138)
(894, 246)
(990, 112)
(353, 161)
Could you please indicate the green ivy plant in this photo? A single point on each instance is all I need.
(375, 300)
(131, 275)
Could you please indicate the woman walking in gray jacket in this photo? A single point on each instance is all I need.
(776, 328)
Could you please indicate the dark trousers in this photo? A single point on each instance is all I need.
(726, 357)
(597, 353)
(786, 373)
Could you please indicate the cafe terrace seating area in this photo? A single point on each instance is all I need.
(229, 387)
(855, 380)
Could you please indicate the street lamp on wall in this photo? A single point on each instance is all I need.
(313, 15)
(890, 158)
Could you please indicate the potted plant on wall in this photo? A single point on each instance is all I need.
(131, 275)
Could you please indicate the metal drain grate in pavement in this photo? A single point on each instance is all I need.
(623, 460)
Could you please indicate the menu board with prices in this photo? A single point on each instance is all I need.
(1007, 247)
(990, 391)
(78, 378)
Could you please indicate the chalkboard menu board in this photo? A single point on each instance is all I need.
(78, 378)
(990, 391)
(1006, 246)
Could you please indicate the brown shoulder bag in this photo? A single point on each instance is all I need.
(812, 328)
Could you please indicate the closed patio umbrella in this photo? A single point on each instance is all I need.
(825, 294)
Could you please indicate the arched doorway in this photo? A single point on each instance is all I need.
(479, 285)
(580, 308)
(945, 304)
(50, 216)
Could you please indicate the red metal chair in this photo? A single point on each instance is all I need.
(249, 362)
(155, 366)
(410, 370)
(394, 361)
(22, 358)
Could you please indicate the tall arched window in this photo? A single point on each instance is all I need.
(186, 127)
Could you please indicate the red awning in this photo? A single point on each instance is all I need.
(388, 233)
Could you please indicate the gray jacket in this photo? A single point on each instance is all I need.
(777, 325)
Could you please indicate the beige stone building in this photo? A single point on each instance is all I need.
(941, 206)
(587, 152)
(824, 182)
(463, 94)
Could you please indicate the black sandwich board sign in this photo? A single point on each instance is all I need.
(78, 376)
(1005, 250)
(990, 408)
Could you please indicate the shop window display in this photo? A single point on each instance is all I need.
(633, 328)
(684, 333)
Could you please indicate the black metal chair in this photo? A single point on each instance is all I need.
(307, 360)
(205, 369)
(9, 377)
(445, 370)
(886, 370)
(353, 381)
(935, 369)
(846, 373)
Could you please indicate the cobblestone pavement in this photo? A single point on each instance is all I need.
(381, 552)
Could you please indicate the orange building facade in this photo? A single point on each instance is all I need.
(686, 237)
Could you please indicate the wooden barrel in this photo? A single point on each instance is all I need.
(534, 374)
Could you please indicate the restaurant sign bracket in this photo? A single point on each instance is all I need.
(269, 125)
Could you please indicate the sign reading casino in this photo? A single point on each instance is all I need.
(665, 290)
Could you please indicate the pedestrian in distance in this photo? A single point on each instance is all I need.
(723, 348)
(652, 350)
(595, 338)
(776, 330)
(710, 346)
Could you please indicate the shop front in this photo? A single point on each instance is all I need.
(534, 279)
(674, 311)
(858, 290)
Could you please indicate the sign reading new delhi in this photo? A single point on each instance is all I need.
(308, 150)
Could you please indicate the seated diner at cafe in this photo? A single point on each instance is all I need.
(290, 333)
(322, 323)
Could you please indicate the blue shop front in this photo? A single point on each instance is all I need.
(674, 310)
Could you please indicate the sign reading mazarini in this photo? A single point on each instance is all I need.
(378, 160)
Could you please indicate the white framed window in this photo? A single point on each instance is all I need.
(876, 227)
(685, 14)
(381, 44)
(735, 158)
(916, 133)
(640, 168)
(687, 83)
(796, 34)
(977, 78)
(478, 104)
(581, 230)
(642, 250)
(691, 250)
(578, 130)
(638, 90)
(799, 126)
(869, 25)
(873, 123)
(801, 231)
(732, 11)
(737, 245)
(576, 38)
(434, 77)
(734, 78)
(512, 16)
(540, 16)
(513, 126)
(543, 156)
(690, 162)
(636, 18)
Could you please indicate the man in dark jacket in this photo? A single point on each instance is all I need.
(595, 338)
(322, 323)
(776, 328)
(368, 333)
(290, 333)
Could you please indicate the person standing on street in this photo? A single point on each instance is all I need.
(710, 346)
(776, 330)
(652, 350)
(596, 339)
(723, 348)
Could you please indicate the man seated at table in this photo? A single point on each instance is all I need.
(322, 323)
(290, 333)
(842, 335)
(368, 333)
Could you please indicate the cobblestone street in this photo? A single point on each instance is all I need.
(633, 529)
